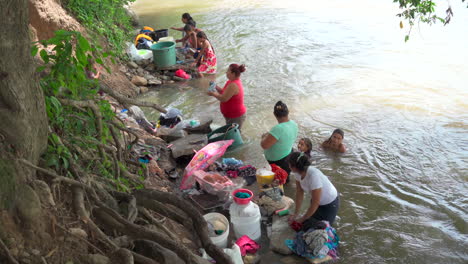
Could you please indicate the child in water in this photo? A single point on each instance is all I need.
(335, 142)
(305, 146)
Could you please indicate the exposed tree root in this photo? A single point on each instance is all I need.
(158, 224)
(7, 253)
(114, 220)
(122, 256)
(97, 113)
(199, 223)
(122, 128)
(80, 238)
(128, 101)
(78, 203)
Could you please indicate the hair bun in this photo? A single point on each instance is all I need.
(242, 68)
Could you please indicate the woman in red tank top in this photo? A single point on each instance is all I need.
(231, 96)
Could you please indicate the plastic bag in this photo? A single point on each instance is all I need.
(214, 183)
(234, 253)
(138, 55)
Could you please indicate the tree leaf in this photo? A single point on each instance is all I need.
(84, 44)
(44, 56)
(34, 50)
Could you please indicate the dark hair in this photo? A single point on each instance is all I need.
(188, 27)
(299, 161)
(308, 143)
(189, 19)
(338, 131)
(201, 34)
(281, 109)
(237, 69)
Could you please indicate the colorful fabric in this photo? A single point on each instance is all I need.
(301, 247)
(247, 245)
(148, 28)
(280, 174)
(208, 63)
(142, 36)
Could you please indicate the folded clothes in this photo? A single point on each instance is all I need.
(242, 195)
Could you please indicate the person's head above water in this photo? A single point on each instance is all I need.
(305, 145)
(337, 136)
(280, 110)
(234, 71)
(298, 162)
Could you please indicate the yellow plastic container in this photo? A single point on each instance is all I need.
(265, 179)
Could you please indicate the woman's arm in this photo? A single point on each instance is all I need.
(182, 39)
(268, 140)
(314, 204)
(219, 89)
(231, 90)
(298, 201)
(299, 197)
(178, 29)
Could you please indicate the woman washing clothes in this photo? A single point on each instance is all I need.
(231, 96)
(278, 143)
(335, 142)
(324, 201)
(206, 59)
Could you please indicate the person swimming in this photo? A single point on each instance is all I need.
(335, 142)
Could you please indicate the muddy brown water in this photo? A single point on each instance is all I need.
(403, 106)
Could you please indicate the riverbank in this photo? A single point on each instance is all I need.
(101, 194)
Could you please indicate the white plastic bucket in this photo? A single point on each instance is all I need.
(249, 226)
(246, 220)
(221, 240)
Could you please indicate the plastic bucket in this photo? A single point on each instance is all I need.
(249, 226)
(230, 131)
(221, 240)
(161, 33)
(242, 200)
(164, 54)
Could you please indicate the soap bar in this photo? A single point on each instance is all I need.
(284, 212)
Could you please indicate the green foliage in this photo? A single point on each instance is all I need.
(75, 130)
(421, 11)
(107, 18)
(66, 78)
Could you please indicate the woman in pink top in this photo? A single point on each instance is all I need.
(232, 96)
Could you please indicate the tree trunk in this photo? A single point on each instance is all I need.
(23, 127)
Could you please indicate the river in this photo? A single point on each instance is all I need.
(403, 106)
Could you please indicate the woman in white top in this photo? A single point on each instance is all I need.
(324, 197)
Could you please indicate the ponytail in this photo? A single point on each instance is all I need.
(237, 69)
(299, 160)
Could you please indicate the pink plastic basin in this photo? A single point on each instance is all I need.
(242, 200)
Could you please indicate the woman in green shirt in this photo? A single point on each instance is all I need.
(277, 144)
